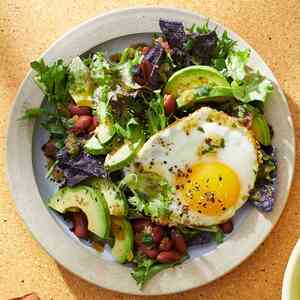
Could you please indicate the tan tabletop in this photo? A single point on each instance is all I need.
(28, 27)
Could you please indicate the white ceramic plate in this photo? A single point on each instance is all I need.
(30, 189)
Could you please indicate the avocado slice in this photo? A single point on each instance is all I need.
(184, 85)
(115, 199)
(94, 147)
(261, 129)
(122, 157)
(204, 93)
(123, 233)
(90, 201)
(105, 132)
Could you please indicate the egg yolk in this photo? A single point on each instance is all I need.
(209, 188)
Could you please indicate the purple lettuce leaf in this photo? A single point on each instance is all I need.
(181, 57)
(173, 32)
(78, 168)
(203, 238)
(176, 37)
(147, 73)
(203, 46)
(263, 194)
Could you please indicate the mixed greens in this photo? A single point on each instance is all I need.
(101, 110)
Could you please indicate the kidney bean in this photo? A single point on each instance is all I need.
(169, 104)
(149, 251)
(138, 239)
(165, 45)
(79, 110)
(83, 122)
(140, 224)
(227, 227)
(95, 121)
(94, 124)
(145, 50)
(165, 244)
(80, 224)
(146, 67)
(156, 233)
(168, 256)
(178, 241)
(49, 149)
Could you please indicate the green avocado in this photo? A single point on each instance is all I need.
(261, 129)
(123, 245)
(94, 147)
(122, 157)
(115, 199)
(90, 201)
(197, 83)
(105, 132)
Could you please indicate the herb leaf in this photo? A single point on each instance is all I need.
(146, 268)
(52, 80)
(33, 113)
(156, 118)
(147, 239)
(219, 236)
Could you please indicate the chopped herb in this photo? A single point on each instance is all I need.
(219, 236)
(145, 268)
(35, 112)
(147, 239)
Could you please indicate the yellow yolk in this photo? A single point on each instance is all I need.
(208, 188)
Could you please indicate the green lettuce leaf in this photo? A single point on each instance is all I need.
(127, 66)
(155, 115)
(103, 72)
(236, 63)
(145, 268)
(254, 87)
(225, 46)
(152, 193)
(80, 84)
(247, 85)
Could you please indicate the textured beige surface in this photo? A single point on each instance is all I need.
(26, 30)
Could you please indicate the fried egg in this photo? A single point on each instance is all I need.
(210, 160)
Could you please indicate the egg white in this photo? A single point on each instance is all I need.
(177, 147)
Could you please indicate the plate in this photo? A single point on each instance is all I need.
(290, 287)
(30, 189)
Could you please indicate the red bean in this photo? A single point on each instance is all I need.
(156, 233)
(79, 110)
(95, 122)
(80, 224)
(83, 122)
(165, 45)
(49, 149)
(145, 50)
(178, 241)
(169, 104)
(149, 251)
(168, 256)
(140, 224)
(138, 239)
(165, 244)
(227, 227)
(146, 67)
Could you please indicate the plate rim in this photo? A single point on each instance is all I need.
(78, 28)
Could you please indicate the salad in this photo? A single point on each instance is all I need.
(156, 148)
